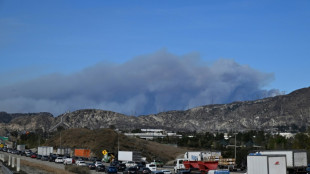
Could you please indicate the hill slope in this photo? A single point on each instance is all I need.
(107, 139)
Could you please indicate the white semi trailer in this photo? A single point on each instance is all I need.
(296, 161)
(129, 156)
(45, 150)
(21, 147)
(266, 164)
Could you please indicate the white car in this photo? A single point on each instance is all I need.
(68, 161)
(80, 163)
(166, 171)
(59, 160)
(130, 164)
(152, 167)
(97, 163)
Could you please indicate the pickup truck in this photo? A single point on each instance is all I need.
(158, 163)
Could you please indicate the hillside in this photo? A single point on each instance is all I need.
(107, 139)
(291, 111)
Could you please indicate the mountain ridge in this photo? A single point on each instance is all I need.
(283, 111)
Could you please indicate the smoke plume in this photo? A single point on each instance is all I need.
(146, 84)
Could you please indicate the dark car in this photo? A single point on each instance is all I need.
(44, 158)
(184, 171)
(100, 168)
(157, 172)
(39, 156)
(52, 158)
(121, 167)
(111, 169)
(131, 170)
(91, 166)
(139, 165)
(144, 170)
(114, 163)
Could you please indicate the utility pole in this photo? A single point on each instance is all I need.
(235, 146)
(60, 139)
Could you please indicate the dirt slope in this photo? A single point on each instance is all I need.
(107, 139)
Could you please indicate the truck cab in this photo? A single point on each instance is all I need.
(179, 165)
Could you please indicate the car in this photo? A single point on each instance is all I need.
(98, 163)
(52, 158)
(39, 156)
(144, 170)
(59, 160)
(152, 167)
(111, 169)
(121, 167)
(80, 163)
(33, 155)
(69, 161)
(130, 170)
(91, 166)
(130, 164)
(157, 172)
(28, 154)
(100, 168)
(158, 163)
(183, 171)
(166, 171)
(44, 158)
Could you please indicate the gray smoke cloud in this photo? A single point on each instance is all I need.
(146, 84)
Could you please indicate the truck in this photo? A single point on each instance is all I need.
(179, 165)
(296, 160)
(82, 153)
(129, 156)
(21, 147)
(266, 164)
(45, 150)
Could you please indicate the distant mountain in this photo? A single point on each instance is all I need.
(291, 111)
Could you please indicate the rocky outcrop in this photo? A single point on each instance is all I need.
(286, 111)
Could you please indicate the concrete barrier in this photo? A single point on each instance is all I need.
(10, 159)
(13, 162)
(18, 164)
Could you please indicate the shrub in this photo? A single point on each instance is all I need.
(77, 169)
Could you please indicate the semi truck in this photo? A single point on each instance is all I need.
(296, 160)
(266, 164)
(45, 150)
(202, 156)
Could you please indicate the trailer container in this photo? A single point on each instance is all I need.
(266, 164)
(129, 156)
(45, 150)
(63, 151)
(296, 161)
(21, 147)
(82, 153)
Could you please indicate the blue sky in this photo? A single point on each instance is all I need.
(65, 40)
